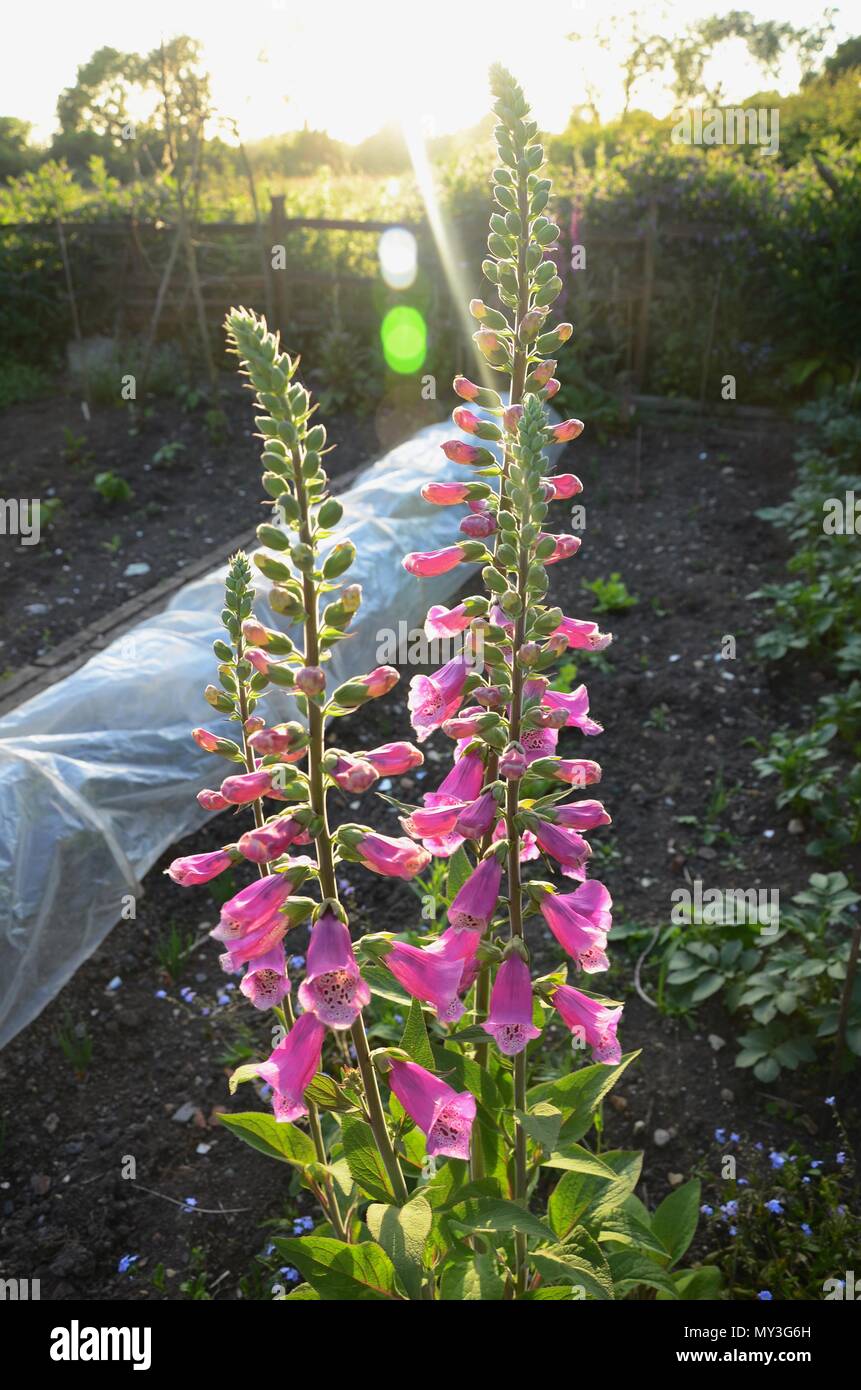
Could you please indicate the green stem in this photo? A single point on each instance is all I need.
(325, 852)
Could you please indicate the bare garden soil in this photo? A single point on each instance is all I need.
(677, 721)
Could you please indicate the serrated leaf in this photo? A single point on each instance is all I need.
(560, 1265)
(459, 870)
(475, 1280)
(703, 1283)
(382, 982)
(326, 1094)
(337, 1271)
(364, 1162)
(276, 1139)
(414, 1039)
(502, 1217)
(579, 1094)
(630, 1269)
(402, 1232)
(542, 1123)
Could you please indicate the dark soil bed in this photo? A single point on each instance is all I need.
(188, 501)
(677, 720)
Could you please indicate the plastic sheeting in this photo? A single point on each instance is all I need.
(98, 774)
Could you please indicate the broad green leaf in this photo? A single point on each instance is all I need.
(276, 1139)
(500, 1216)
(403, 1233)
(339, 1271)
(414, 1040)
(558, 1293)
(622, 1228)
(560, 1265)
(574, 1159)
(326, 1093)
(542, 1124)
(579, 1094)
(704, 1283)
(675, 1221)
(474, 1280)
(630, 1269)
(576, 1193)
(304, 1294)
(363, 1158)
(459, 870)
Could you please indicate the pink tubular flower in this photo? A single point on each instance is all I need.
(566, 546)
(528, 844)
(433, 699)
(260, 659)
(265, 982)
(353, 774)
(270, 841)
(212, 801)
(333, 989)
(205, 740)
(566, 846)
(582, 635)
(476, 900)
(279, 739)
(512, 763)
(311, 680)
(466, 389)
(444, 1115)
(509, 1022)
(445, 622)
(465, 724)
(253, 907)
(476, 819)
(461, 785)
(432, 976)
(511, 417)
(380, 681)
(563, 485)
(569, 429)
(581, 815)
(466, 420)
(579, 932)
(595, 1023)
(199, 868)
(445, 494)
(539, 743)
(576, 706)
(551, 388)
(473, 455)
(292, 1066)
(427, 563)
(577, 772)
(478, 526)
(392, 759)
(248, 786)
(393, 858)
(435, 821)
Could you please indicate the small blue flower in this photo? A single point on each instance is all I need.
(720, 1136)
(265, 1090)
(776, 1160)
(840, 1158)
(187, 993)
(774, 1206)
(733, 1231)
(759, 1147)
(399, 1018)
(730, 1208)
(126, 1263)
(161, 994)
(114, 984)
(806, 1229)
(743, 1182)
(764, 1296)
(805, 1180)
(189, 1203)
(270, 1249)
(290, 1274)
(297, 962)
(816, 1163)
(223, 998)
(734, 1138)
(204, 1013)
(830, 1100)
(707, 1210)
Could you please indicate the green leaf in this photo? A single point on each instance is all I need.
(630, 1269)
(767, 1069)
(559, 1264)
(704, 1283)
(459, 870)
(675, 1221)
(577, 1160)
(414, 1040)
(542, 1124)
(473, 1280)
(276, 1139)
(363, 1159)
(579, 1094)
(327, 1094)
(304, 1294)
(382, 982)
(587, 1192)
(338, 1271)
(502, 1217)
(403, 1233)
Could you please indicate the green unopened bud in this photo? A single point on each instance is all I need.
(554, 340)
(339, 560)
(315, 438)
(273, 537)
(286, 602)
(218, 700)
(272, 568)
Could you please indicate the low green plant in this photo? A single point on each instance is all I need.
(167, 454)
(21, 382)
(76, 1045)
(611, 595)
(112, 488)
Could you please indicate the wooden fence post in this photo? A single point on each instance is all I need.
(277, 220)
(641, 344)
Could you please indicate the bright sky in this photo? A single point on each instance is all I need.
(349, 66)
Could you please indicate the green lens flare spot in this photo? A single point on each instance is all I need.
(404, 336)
